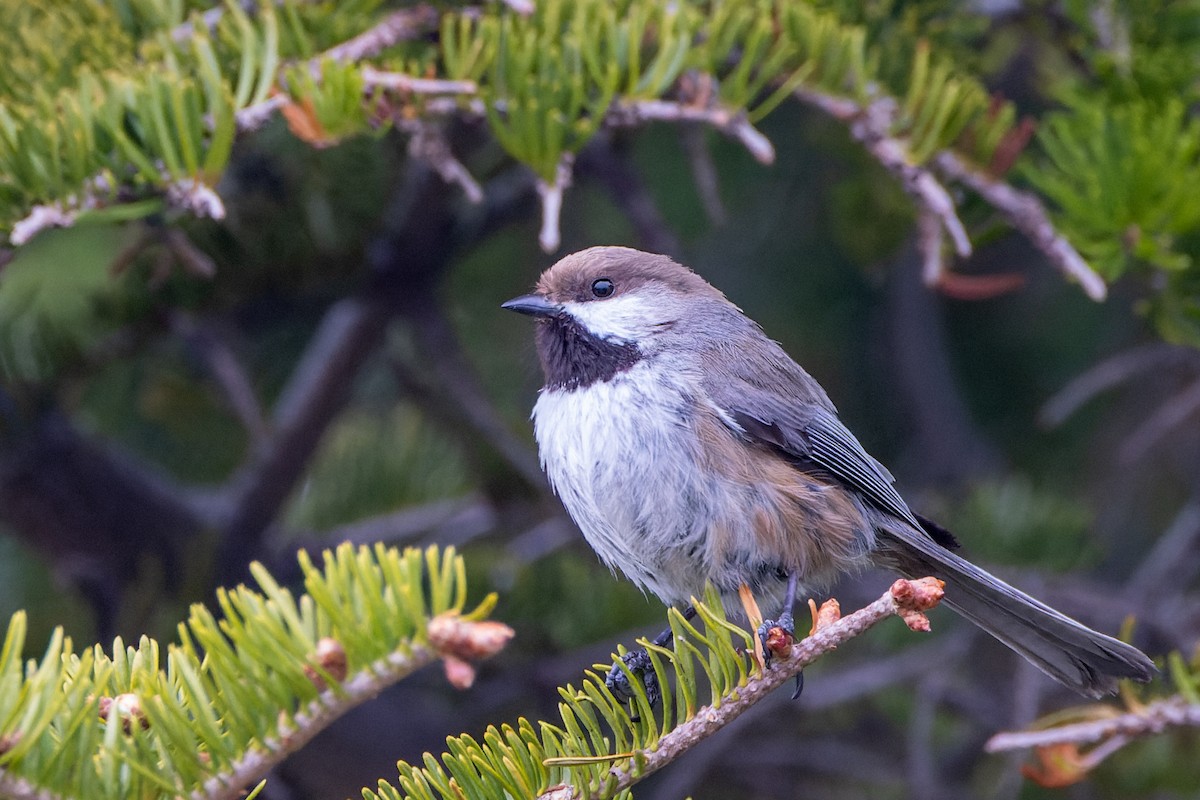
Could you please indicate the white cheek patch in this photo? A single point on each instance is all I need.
(625, 318)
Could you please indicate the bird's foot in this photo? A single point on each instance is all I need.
(777, 637)
(642, 668)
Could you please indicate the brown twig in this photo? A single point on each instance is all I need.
(872, 126)
(1151, 719)
(315, 717)
(906, 599)
(407, 23)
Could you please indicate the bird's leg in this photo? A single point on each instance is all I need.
(777, 635)
(638, 662)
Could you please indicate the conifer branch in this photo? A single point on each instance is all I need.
(905, 599)
(604, 744)
(314, 718)
(237, 693)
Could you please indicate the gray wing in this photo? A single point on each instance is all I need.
(811, 435)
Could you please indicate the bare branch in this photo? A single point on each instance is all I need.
(399, 26)
(906, 599)
(871, 125)
(227, 371)
(40, 218)
(732, 123)
(407, 23)
(195, 197)
(441, 520)
(429, 144)
(551, 195)
(1171, 560)
(400, 82)
(614, 170)
(704, 172)
(1027, 214)
(1151, 719)
(253, 117)
(929, 246)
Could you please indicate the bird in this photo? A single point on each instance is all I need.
(689, 449)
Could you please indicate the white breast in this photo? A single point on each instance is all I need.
(619, 454)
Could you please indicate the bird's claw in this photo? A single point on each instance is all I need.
(777, 637)
(639, 665)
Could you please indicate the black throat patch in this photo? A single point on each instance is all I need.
(573, 357)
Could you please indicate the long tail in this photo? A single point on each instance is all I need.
(1068, 651)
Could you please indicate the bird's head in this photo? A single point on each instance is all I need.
(617, 294)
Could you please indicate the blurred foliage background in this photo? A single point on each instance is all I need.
(160, 425)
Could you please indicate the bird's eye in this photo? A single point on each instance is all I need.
(603, 287)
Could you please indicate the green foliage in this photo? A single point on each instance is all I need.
(1139, 49)
(596, 732)
(544, 96)
(70, 37)
(1123, 179)
(143, 723)
(50, 296)
(350, 478)
(335, 96)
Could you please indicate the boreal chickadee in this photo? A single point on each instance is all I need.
(688, 447)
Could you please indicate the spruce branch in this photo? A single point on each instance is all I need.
(603, 745)
(906, 599)
(239, 692)
(872, 125)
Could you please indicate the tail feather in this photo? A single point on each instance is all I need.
(1068, 651)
